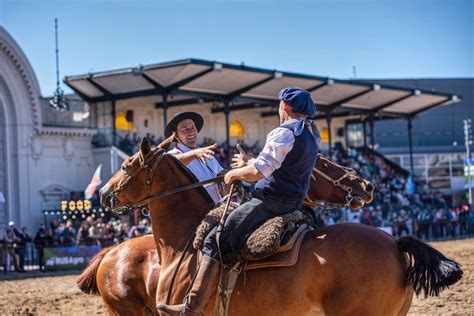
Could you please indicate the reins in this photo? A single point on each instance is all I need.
(144, 164)
(181, 259)
(336, 183)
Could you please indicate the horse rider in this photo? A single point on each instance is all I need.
(282, 171)
(200, 161)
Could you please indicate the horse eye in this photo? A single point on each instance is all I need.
(325, 166)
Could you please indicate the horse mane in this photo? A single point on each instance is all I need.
(192, 179)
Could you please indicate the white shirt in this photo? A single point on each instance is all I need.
(278, 144)
(202, 171)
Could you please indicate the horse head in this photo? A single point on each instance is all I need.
(131, 186)
(337, 184)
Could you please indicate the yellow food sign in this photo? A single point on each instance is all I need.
(80, 205)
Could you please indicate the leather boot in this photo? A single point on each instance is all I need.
(201, 292)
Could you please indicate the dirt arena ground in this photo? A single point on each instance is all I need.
(60, 296)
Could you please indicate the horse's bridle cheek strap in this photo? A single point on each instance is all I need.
(338, 182)
(144, 164)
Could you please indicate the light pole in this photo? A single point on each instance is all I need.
(468, 142)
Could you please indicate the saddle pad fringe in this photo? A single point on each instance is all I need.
(263, 242)
(266, 240)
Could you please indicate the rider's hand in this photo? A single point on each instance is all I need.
(229, 177)
(204, 153)
(239, 160)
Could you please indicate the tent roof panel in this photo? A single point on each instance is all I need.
(415, 103)
(270, 89)
(122, 83)
(167, 76)
(224, 81)
(85, 87)
(376, 98)
(335, 92)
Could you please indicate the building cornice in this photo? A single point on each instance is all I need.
(16, 55)
(70, 131)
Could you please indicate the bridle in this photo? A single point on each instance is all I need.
(336, 182)
(149, 163)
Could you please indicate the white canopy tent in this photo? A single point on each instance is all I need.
(239, 87)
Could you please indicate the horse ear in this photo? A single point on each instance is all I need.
(145, 146)
(167, 142)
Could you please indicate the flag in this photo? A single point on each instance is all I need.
(410, 185)
(95, 182)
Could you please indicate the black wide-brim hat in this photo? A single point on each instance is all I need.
(173, 124)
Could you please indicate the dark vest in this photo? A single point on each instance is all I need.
(291, 180)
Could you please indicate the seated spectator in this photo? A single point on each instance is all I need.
(83, 237)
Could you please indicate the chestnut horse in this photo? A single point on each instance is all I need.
(133, 265)
(125, 276)
(342, 269)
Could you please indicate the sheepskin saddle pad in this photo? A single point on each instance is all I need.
(278, 234)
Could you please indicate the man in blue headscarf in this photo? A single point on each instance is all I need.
(282, 171)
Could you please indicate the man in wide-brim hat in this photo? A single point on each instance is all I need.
(282, 171)
(201, 161)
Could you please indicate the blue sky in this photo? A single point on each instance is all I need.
(383, 39)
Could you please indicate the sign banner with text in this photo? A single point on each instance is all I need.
(69, 257)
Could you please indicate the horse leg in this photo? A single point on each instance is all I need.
(407, 303)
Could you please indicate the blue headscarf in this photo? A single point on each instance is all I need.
(299, 99)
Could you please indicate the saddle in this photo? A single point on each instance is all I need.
(276, 243)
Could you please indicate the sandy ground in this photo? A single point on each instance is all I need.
(60, 296)
(459, 299)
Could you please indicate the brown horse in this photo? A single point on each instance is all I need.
(125, 276)
(133, 292)
(342, 269)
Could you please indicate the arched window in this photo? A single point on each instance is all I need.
(324, 135)
(237, 130)
(121, 122)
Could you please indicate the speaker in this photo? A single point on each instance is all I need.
(129, 115)
(340, 132)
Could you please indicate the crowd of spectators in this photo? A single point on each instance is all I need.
(129, 143)
(14, 246)
(104, 232)
(398, 207)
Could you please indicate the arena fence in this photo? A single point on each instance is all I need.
(34, 257)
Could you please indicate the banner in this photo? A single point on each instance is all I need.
(69, 257)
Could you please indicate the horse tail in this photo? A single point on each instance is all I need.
(428, 269)
(87, 281)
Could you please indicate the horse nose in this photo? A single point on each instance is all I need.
(103, 193)
(369, 188)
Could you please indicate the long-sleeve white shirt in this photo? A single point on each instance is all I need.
(202, 171)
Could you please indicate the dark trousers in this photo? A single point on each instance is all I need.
(243, 221)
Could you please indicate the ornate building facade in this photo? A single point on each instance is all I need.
(39, 165)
